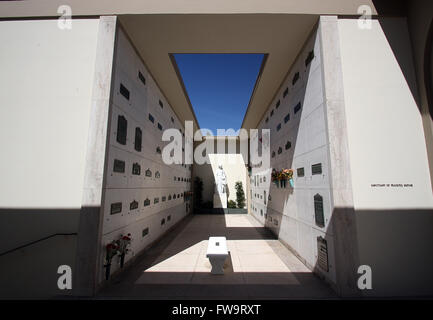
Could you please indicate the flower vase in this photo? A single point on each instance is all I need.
(292, 183)
(107, 271)
(122, 260)
(284, 181)
(276, 183)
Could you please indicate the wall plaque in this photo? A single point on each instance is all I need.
(300, 172)
(310, 58)
(124, 92)
(142, 78)
(116, 208)
(138, 138)
(148, 173)
(133, 205)
(119, 166)
(322, 253)
(122, 126)
(295, 78)
(136, 169)
(316, 168)
(318, 211)
(298, 107)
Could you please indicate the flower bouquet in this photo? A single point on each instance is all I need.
(287, 174)
(123, 243)
(111, 250)
(282, 179)
(275, 177)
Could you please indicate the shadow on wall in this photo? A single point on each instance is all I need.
(395, 243)
(395, 34)
(400, 8)
(35, 242)
(428, 69)
(397, 250)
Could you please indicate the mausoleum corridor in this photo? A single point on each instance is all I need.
(294, 138)
(258, 266)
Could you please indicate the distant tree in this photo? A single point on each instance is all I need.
(240, 195)
(198, 192)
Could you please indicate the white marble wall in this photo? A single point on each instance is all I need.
(289, 212)
(165, 186)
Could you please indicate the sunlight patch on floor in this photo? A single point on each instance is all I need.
(249, 262)
(258, 265)
(237, 221)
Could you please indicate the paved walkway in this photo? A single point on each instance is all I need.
(258, 267)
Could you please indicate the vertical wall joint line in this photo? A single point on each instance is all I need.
(343, 213)
(89, 232)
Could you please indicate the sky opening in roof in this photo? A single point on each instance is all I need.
(219, 86)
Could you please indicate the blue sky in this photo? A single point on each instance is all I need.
(219, 86)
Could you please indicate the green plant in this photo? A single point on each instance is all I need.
(198, 192)
(240, 195)
(231, 204)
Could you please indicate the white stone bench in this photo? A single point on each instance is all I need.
(217, 254)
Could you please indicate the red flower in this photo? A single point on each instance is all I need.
(111, 246)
